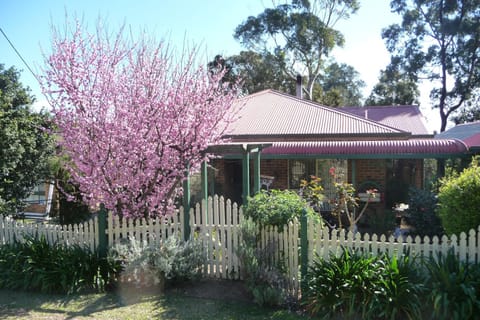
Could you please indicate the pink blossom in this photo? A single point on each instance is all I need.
(332, 171)
(132, 117)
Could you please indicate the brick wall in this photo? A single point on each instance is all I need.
(370, 170)
(373, 170)
(277, 168)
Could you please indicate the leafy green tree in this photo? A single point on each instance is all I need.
(25, 144)
(253, 72)
(439, 41)
(471, 113)
(300, 34)
(393, 88)
(422, 213)
(459, 200)
(341, 85)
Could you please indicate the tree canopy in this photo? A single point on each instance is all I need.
(439, 41)
(299, 35)
(341, 86)
(253, 72)
(471, 113)
(133, 117)
(25, 143)
(393, 88)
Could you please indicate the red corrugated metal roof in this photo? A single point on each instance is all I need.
(405, 117)
(271, 113)
(467, 132)
(473, 141)
(378, 147)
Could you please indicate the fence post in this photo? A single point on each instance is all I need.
(303, 250)
(186, 205)
(102, 231)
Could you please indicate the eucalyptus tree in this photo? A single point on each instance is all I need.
(341, 85)
(394, 87)
(299, 35)
(439, 41)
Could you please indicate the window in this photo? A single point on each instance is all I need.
(323, 172)
(304, 168)
(38, 195)
(300, 170)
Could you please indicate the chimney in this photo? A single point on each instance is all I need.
(299, 91)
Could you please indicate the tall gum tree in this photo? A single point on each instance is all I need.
(439, 41)
(299, 33)
(133, 117)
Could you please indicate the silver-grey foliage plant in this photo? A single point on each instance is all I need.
(147, 264)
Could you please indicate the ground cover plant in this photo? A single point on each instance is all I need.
(36, 265)
(361, 286)
(354, 285)
(454, 287)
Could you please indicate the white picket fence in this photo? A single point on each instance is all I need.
(83, 234)
(216, 222)
(324, 242)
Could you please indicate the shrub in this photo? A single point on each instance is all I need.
(422, 213)
(459, 200)
(453, 287)
(152, 264)
(340, 285)
(276, 207)
(400, 288)
(264, 281)
(36, 265)
(353, 285)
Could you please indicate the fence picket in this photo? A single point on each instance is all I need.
(472, 253)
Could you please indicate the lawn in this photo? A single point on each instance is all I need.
(132, 304)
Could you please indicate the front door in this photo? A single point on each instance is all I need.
(233, 181)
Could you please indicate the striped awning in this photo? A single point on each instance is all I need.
(387, 148)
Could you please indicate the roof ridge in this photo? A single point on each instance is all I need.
(385, 106)
(476, 122)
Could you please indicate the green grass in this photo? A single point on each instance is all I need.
(131, 304)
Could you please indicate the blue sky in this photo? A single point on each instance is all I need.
(208, 23)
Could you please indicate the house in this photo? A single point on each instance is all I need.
(39, 202)
(468, 133)
(279, 139)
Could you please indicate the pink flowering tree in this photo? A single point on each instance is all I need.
(131, 118)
